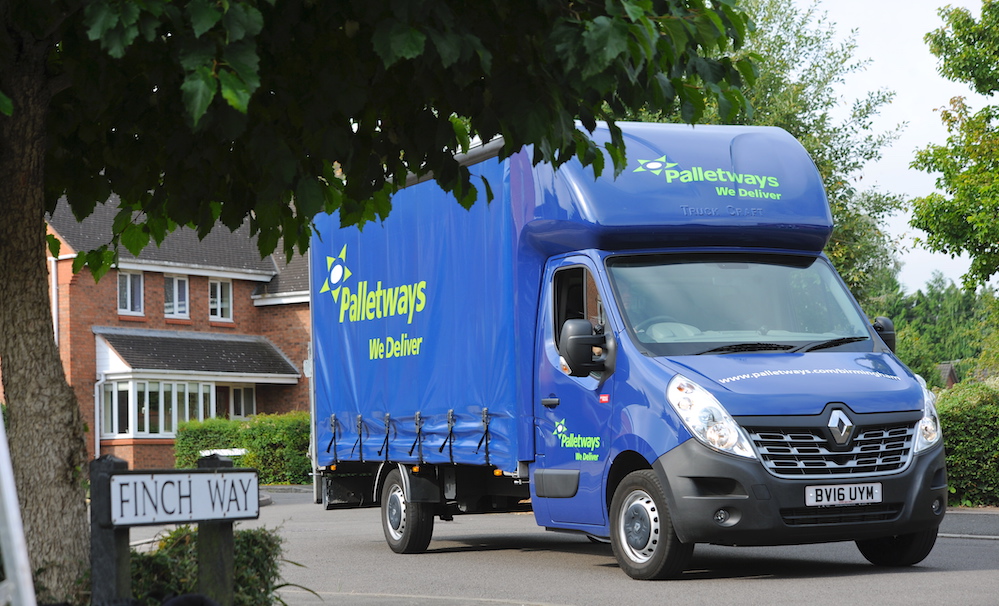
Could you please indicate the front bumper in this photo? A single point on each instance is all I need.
(761, 509)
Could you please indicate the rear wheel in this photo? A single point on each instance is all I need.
(407, 526)
(901, 550)
(642, 535)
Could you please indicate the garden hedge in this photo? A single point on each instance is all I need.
(276, 445)
(969, 417)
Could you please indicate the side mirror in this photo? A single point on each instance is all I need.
(576, 345)
(886, 330)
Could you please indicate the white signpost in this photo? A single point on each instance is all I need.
(139, 499)
(214, 495)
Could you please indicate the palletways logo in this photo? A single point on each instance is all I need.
(729, 183)
(360, 301)
(577, 442)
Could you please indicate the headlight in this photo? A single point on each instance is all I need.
(706, 418)
(928, 430)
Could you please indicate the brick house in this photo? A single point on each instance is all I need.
(187, 330)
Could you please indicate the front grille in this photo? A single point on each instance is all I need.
(813, 516)
(805, 452)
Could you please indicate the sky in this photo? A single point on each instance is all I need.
(890, 34)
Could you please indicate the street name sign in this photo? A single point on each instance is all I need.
(196, 495)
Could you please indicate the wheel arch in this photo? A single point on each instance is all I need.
(382, 473)
(624, 463)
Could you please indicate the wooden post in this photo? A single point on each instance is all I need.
(110, 575)
(216, 549)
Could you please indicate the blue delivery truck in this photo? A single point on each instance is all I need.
(660, 359)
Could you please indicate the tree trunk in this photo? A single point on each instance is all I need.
(46, 430)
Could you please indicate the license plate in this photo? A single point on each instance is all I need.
(843, 494)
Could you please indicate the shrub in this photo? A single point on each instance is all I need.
(195, 436)
(278, 446)
(172, 569)
(969, 417)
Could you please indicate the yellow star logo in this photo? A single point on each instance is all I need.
(336, 273)
(654, 166)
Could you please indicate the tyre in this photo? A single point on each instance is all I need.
(901, 550)
(407, 526)
(642, 535)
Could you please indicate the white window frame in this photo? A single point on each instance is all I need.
(218, 309)
(170, 412)
(131, 293)
(173, 287)
(246, 392)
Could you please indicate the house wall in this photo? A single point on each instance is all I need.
(288, 327)
(141, 454)
(83, 304)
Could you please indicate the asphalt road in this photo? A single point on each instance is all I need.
(506, 559)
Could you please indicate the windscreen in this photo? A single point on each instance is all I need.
(683, 304)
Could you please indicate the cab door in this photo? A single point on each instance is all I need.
(572, 413)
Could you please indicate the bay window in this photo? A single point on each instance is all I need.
(148, 408)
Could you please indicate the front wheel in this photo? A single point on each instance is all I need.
(642, 535)
(901, 550)
(407, 526)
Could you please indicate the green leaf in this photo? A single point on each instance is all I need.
(147, 25)
(717, 22)
(243, 58)
(691, 106)
(199, 89)
(604, 40)
(54, 244)
(618, 158)
(397, 41)
(79, 262)
(309, 199)
(636, 10)
(489, 189)
(134, 238)
(100, 18)
(461, 132)
(242, 20)
(6, 105)
(203, 16)
(234, 90)
(709, 70)
(195, 53)
(122, 219)
(129, 13)
(98, 260)
(158, 228)
(448, 46)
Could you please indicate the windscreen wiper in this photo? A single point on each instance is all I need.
(828, 343)
(743, 347)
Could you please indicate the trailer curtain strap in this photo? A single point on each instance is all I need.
(485, 434)
(385, 444)
(449, 440)
(332, 444)
(418, 442)
(359, 442)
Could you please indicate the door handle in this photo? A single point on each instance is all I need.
(549, 402)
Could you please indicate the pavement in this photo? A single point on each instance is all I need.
(971, 523)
